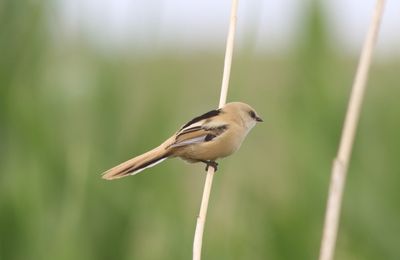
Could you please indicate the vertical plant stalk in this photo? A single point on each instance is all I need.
(201, 219)
(340, 164)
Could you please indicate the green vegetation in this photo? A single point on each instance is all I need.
(67, 113)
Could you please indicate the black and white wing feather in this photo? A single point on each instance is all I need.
(200, 129)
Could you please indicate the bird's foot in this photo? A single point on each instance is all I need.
(213, 164)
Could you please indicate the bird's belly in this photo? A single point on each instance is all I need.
(208, 150)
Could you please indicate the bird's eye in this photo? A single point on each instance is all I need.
(252, 114)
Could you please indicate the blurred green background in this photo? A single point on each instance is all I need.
(68, 112)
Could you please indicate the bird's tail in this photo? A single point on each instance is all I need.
(137, 164)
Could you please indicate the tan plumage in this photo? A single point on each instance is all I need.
(206, 138)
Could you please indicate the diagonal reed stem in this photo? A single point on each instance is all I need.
(340, 164)
(201, 219)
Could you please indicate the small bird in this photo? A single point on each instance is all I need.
(206, 138)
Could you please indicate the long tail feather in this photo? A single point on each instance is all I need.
(137, 164)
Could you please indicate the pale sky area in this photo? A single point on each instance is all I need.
(198, 24)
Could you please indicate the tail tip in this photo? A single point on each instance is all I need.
(108, 176)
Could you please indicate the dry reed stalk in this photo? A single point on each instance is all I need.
(340, 164)
(201, 219)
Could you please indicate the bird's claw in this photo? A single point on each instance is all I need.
(212, 164)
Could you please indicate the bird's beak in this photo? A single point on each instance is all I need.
(258, 119)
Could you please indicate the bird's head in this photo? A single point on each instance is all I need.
(246, 113)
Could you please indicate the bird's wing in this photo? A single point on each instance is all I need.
(200, 120)
(199, 129)
(205, 132)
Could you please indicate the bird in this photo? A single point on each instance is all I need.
(206, 138)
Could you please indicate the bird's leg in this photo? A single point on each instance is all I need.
(213, 164)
